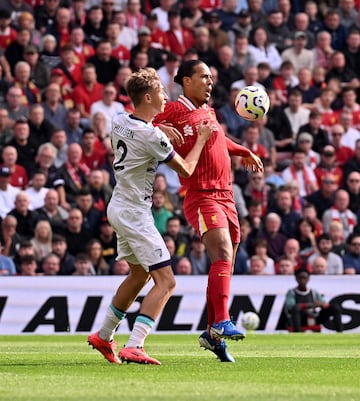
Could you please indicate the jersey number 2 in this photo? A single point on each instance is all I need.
(122, 146)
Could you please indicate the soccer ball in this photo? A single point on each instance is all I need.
(252, 103)
(250, 321)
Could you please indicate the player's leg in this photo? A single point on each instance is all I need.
(152, 305)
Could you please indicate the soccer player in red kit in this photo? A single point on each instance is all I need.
(209, 205)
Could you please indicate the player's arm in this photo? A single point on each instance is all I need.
(249, 159)
(172, 133)
(185, 167)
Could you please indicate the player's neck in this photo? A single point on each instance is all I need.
(144, 113)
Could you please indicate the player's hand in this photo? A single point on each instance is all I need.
(253, 163)
(172, 133)
(204, 130)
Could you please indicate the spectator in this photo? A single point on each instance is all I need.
(9, 238)
(285, 266)
(305, 234)
(24, 146)
(83, 266)
(277, 31)
(40, 128)
(298, 54)
(18, 174)
(55, 111)
(323, 50)
(71, 70)
(242, 254)
(338, 32)
(162, 14)
(58, 140)
(327, 165)
(25, 248)
(42, 239)
(304, 142)
(333, 262)
(242, 56)
(59, 247)
(285, 81)
(30, 92)
(53, 212)
(88, 91)
(265, 51)
(14, 105)
(94, 26)
(100, 191)
(352, 186)
(127, 35)
(40, 72)
(292, 251)
(48, 53)
(309, 211)
(351, 257)
(179, 37)
(119, 51)
(95, 252)
(28, 266)
(313, 127)
(241, 27)
(37, 190)
(338, 69)
(74, 174)
(51, 264)
(351, 50)
(75, 234)
(319, 265)
(91, 216)
(302, 24)
(271, 233)
(258, 190)
(324, 197)
(301, 173)
(198, 257)
(202, 44)
(296, 113)
(107, 105)
(6, 133)
(342, 153)
(167, 73)
(336, 233)
(340, 212)
(72, 127)
(7, 266)
(307, 88)
(15, 51)
(257, 266)
(261, 249)
(183, 266)
(106, 66)
(160, 213)
(218, 37)
(279, 124)
(25, 217)
(82, 49)
(135, 18)
(120, 268)
(258, 16)
(304, 304)
(354, 163)
(170, 245)
(251, 138)
(45, 14)
(7, 192)
(174, 230)
(99, 126)
(192, 15)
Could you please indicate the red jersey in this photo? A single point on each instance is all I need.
(82, 95)
(7, 37)
(343, 154)
(180, 47)
(159, 40)
(95, 160)
(213, 170)
(320, 173)
(328, 119)
(18, 177)
(122, 54)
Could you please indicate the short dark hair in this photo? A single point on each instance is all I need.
(186, 69)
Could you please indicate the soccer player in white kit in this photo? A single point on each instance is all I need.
(138, 148)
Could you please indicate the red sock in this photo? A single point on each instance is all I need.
(210, 310)
(219, 289)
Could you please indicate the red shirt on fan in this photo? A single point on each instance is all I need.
(122, 54)
(7, 37)
(213, 170)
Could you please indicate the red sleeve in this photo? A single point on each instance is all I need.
(235, 149)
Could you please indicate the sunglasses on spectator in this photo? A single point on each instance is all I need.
(353, 180)
(355, 243)
(329, 182)
(337, 134)
(328, 154)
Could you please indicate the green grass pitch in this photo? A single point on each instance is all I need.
(277, 367)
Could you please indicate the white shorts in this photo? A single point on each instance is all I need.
(138, 240)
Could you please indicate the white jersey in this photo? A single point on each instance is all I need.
(138, 148)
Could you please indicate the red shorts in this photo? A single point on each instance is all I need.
(206, 210)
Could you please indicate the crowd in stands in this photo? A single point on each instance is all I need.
(63, 68)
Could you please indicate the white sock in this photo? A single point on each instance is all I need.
(111, 322)
(142, 327)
